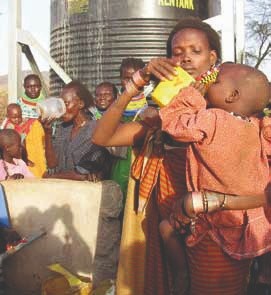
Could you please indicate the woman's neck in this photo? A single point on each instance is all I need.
(79, 121)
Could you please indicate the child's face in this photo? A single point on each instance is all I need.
(15, 115)
(14, 147)
(223, 88)
(104, 97)
(126, 75)
(32, 87)
(191, 48)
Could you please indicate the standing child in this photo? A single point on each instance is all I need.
(11, 164)
(32, 95)
(32, 136)
(105, 94)
(226, 154)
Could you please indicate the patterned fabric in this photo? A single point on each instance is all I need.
(159, 164)
(212, 272)
(142, 266)
(28, 106)
(23, 128)
(136, 104)
(240, 169)
(70, 151)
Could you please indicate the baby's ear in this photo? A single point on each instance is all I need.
(235, 96)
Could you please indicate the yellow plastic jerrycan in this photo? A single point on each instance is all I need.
(66, 284)
(166, 90)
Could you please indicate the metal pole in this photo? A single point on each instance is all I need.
(14, 51)
(239, 31)
(227, 33)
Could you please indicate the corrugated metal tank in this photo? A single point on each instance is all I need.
(89, 38)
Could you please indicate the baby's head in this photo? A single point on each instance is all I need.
(240, 89)
(10, 143)
(128, 67)
(14, 113)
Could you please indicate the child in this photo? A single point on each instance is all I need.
(14, 120)
(128, 67)
(105, 94)
(32, 136)
(11, 165)
(31, 96)
(226, 155)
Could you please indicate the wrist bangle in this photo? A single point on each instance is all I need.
(205, 202)
(197, 201)
(138, 79)
(185, 212)
(224, 202)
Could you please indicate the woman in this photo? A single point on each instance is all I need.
(195, 47)
(69, 153)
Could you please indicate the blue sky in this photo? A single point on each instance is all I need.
(36, 19)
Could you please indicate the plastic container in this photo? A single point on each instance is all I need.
(52, 107)
(166, 90)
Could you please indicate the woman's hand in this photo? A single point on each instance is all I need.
(47, 125)
(95, 177)
(151, 117)
(16, 176)
(162, 68)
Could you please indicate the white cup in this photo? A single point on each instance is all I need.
(51, 108)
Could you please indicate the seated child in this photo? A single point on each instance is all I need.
(226, 154)
(11, 164)
(32, 135)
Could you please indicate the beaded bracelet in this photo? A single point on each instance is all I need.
(138, 79)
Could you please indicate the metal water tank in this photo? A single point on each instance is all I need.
(89, 38)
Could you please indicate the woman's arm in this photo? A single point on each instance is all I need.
(109, 131)
(50, 154)
(193, 203)
(72, 175)
(206, 202)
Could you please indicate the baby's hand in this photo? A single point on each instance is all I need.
(200, 87)
(16, 176)
(151, 117)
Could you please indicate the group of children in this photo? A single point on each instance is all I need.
(24, 157)
(22, 118)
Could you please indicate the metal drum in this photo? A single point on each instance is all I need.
(89, 38)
